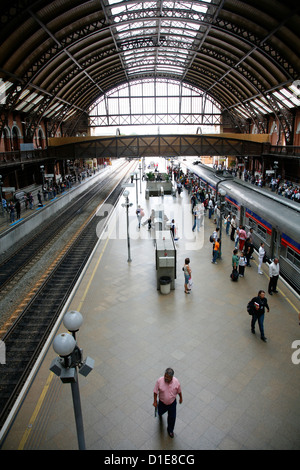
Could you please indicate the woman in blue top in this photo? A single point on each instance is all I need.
(187, 275)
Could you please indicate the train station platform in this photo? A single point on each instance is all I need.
(5, 222)
(238, 392)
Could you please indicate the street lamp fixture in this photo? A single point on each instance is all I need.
(69, 363)
(134, 176)
(140, 168)
(73, 321)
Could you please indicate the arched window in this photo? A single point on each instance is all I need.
(6, 139)
(156, 102)
(40, 142)
(15, 132)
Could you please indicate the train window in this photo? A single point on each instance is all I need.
(261, 231)
(293, 257)
(252, 224)
(231, 209)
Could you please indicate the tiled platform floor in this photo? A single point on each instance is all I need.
(238, 392)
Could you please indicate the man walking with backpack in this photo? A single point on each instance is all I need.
(256, 307)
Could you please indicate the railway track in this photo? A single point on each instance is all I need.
(33, 246)
(25, 338)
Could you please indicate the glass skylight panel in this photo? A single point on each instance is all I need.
(199, 8)
(25, 99)
(263, 103)
(282, 99)
(53, 109)
(291, 95)
(23, 94)
(113, 2)
(257, 106)
(295, 90)
(242, 111)
(170, 69)
(118, 10)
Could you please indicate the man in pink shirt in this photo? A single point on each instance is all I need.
(242, 238)
(167, 388)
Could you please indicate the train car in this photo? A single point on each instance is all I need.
(274, 219)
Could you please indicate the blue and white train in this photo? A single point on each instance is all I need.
(275, 220)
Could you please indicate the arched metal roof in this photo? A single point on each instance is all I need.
(58, 57)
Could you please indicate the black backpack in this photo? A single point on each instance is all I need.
(249, 308)
(211, 239)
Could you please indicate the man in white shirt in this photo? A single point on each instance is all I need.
(274, 274)
(261, 254)
(233, 224)
(210, 208)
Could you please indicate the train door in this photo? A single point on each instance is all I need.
(242, 215)
(275, 243)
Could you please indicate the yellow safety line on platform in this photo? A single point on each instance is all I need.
(46, 387)
(35, 413)
(92, 276)
(282, 293)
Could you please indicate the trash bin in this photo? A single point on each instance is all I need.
(165, 284)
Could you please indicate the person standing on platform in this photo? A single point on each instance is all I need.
(172, 228)
(166, 390)
(30, 199)
(4, 205)
(261, 254)
(228, 219)
(140, 214)
(216, 251)
(233, 227)
(242, 264)
(236, 241)
(242, 238)
(235, 260)
(187, 275)
(39, 196)
(195, 210)
(18, 209)
(198, 217)
(247, 251)
(257, 307)
(12, 211)
(274, 275)
(210, 208)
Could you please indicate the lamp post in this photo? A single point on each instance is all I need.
(127, 204)
(135, 178)
(69, 362)
(140, 168)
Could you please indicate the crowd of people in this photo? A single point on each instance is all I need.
(243, 246)
(282, 187)
(28, 200)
